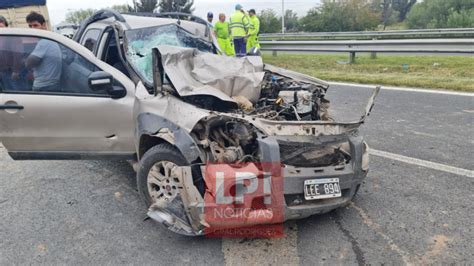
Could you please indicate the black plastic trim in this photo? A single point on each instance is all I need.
(11, 107)
(70, 155)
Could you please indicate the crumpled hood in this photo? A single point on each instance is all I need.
(193, 72)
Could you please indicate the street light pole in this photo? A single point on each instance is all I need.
(283, 16)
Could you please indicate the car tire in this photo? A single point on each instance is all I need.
(164, 152)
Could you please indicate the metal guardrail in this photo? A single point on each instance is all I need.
(431, 46)
(441, 33)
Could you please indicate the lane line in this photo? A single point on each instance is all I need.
(389, 88)
(378, 230)
(423, 163)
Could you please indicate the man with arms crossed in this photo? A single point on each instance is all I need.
(45, 60)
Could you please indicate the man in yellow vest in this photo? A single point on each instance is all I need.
(252, 41)
(239, 26)
(223, 36)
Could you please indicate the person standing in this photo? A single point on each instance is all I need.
(11, 53)
(45, 60)
(239, 25)
(252, 41)
(223, 36)
(210, 18)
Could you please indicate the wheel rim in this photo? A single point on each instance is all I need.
(163, 181)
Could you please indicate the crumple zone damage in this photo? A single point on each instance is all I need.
(209, 81)
(287, 122)
(194, 73)
(311, 151)
(181, 212)
(226, 140)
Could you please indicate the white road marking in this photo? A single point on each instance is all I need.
(423, 163)
(434, 91)
(377, 229)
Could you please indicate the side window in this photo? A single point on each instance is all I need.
(42, 66)
(91, 39)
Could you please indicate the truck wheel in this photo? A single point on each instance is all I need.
(155, 179)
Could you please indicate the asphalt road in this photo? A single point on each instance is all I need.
(88, 212)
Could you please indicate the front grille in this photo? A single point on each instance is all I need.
(307, 154)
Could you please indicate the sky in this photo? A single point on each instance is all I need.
(59, 8)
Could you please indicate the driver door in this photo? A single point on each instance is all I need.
(70, 105)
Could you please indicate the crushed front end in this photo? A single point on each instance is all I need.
(269, 153)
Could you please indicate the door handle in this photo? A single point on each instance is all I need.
(11, 107)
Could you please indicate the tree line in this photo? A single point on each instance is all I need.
(363, 15)
(334, 15)
(146, 6)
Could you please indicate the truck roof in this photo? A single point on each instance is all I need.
(20, 3)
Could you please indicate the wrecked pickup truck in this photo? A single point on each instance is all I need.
(155, 91)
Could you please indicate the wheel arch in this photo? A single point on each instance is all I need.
(153, 130)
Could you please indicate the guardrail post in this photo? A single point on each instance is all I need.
(274, 53)
(352, 56)
(373, 55)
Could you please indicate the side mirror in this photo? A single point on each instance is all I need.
(103, 81)
(100, 80)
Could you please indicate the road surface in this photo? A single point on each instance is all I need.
(409, 210)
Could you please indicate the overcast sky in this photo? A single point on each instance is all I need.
(59, 8)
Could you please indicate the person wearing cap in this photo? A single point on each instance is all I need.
(221, 30)
(254, 30)
(210, 18)
(239, 26)
(11, 61)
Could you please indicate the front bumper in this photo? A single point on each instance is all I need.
(350, 177)
(191, 215)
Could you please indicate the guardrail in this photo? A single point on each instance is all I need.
(400, 34)
(430, 46)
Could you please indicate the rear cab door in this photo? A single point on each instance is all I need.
(64, 109)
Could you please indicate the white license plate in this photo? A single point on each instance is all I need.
(322, 189)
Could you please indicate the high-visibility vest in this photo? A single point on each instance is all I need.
(222, 30)
(254, 26)
(239, 24)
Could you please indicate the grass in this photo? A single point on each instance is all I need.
(431, 72)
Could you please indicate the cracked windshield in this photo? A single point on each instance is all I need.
(142, 41)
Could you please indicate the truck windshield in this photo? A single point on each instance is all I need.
(140, 43)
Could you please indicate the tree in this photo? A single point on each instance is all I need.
(145, 5)
(76, 17)
(441, 14)
(122, 8)
(385, 8)
(461, 19)
(291, 21)
(269, 22)
(343, 15)
(310, 22)
(403, 7)
(184, 6)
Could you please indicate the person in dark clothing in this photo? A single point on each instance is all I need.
(11, 52)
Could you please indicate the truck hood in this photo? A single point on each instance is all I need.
(193, 73)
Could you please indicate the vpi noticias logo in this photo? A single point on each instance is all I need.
(244, 200)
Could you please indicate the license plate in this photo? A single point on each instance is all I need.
(322, 189)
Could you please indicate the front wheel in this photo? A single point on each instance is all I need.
(156, 178)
